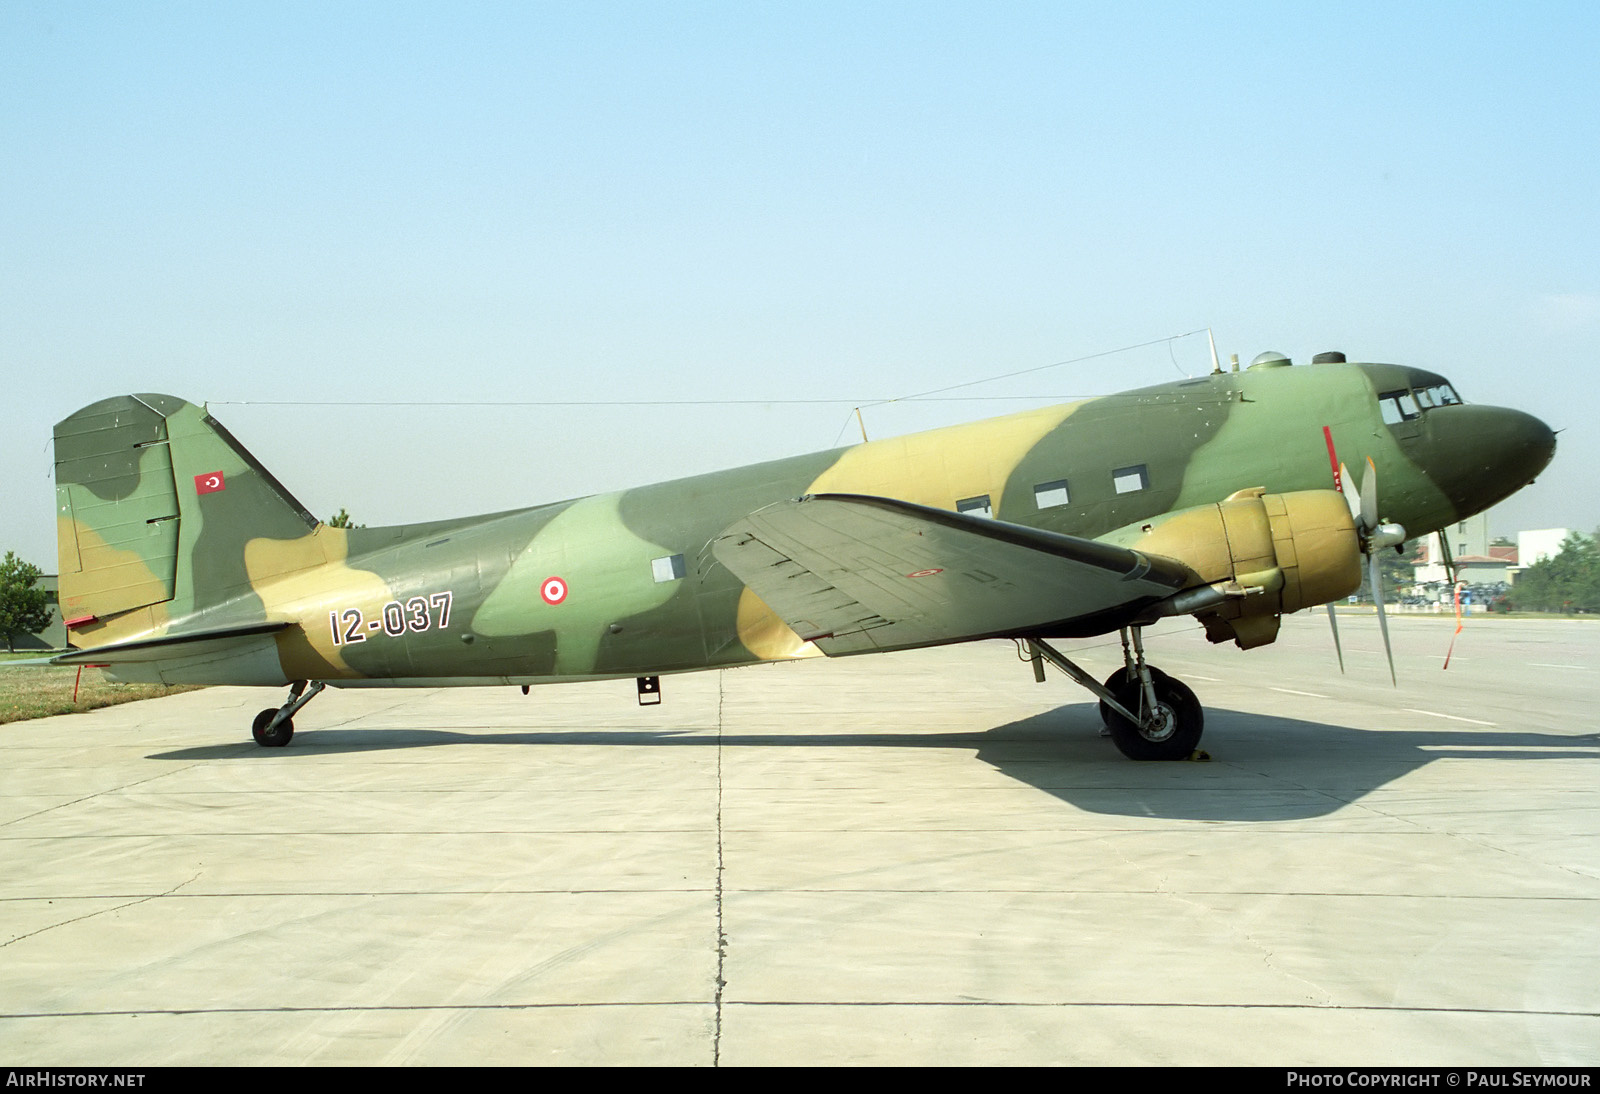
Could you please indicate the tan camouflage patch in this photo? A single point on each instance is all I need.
(307, 580)
(111, 582)
(943, 466)
(767, 636)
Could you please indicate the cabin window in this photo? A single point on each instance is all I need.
(976, 507)
(669, 568)
(1130, 480)
(1048, 495)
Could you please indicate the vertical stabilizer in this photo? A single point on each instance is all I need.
(155, 502)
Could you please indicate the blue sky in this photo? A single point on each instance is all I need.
(513, 204)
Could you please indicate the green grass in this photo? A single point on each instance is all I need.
(40, 692)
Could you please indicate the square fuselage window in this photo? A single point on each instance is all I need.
(975, 507)
(1048, 495)
(1130, 480)
(669, 568)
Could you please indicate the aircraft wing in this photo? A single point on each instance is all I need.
(856, 574)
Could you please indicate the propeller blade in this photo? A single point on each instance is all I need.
(1352, 496)
(1383, 620)
(1333, 621)
(1369, 497)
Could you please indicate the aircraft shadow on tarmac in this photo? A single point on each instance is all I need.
(1261, 767)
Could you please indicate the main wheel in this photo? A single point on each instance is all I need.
(1173, 732)
(1119, 679)
(278, 737)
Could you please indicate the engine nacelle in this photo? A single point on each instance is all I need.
(1255, 557)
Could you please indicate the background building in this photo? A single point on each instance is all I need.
(1540, 544)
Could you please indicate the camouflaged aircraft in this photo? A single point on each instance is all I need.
(1225, 497)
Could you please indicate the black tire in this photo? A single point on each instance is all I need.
(1118, 679)
(1177, 735)
(278, 737)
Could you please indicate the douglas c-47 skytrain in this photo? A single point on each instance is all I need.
(1227, 497)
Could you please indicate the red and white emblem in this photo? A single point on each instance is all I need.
(925, 573)
(554, 590)
(209, 483)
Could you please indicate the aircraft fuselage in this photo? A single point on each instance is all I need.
(624, 584)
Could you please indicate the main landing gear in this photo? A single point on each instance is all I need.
(1151, 716)
(274, 726)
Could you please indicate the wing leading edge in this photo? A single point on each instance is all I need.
(857, 574)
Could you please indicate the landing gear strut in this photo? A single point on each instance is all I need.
(1151, 716)
(274, 726)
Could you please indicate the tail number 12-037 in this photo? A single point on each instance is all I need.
(396, 618)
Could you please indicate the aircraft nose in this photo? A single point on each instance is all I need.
(1480, 455)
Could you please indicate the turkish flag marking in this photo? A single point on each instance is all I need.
(209, 483)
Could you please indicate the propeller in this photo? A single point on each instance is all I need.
(1374, 535)
(1333, 621)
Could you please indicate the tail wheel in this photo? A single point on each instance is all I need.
(275, 738)
(1170, 732)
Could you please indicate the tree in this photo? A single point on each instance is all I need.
(24, 609)
(341, 519)
(1565, 582)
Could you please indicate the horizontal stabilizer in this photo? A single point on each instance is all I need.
(229, 655)
(156, 649)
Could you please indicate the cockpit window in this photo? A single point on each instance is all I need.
(1403, 406)
(1398, 406)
